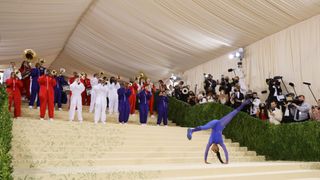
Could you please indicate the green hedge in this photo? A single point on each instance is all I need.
(295, 141)
(5, 137)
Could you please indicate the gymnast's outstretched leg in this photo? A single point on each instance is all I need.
(224, 121)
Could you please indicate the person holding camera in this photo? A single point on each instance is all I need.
(210, 84)
(237, 97)
(255, 104)
(302, 109)
(274, 113)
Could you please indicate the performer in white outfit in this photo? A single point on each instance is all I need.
(113, 95)
(101, 92)
(239, 72)
(76, 101)
(93, 82)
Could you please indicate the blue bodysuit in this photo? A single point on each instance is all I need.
(217, 127)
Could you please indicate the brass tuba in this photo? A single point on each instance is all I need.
(29, 55)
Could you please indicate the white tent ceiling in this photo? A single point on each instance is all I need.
(124, 37)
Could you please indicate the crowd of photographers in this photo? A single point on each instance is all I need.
(278, 108)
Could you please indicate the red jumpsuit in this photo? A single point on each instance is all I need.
(25, 71)
(14, 86)
(46, 95)
(133, 97)
(151, 102)
(85, 97)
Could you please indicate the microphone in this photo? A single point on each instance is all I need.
(306, 83)
(291, 84)
(230, 70)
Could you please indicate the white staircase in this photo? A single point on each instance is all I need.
(72, 150)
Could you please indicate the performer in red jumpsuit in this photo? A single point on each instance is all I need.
(85, 97)
(25, 71)
(133, 97)
(46, 94)
(152, 89)
(14, 86)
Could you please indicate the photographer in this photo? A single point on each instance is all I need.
(209, 84)
(237, 97)
(274, 89)
(255, 104)
(274, 113)
(315, 112)
(192, 100)
(301, 109)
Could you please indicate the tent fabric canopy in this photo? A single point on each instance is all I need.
(123, 37)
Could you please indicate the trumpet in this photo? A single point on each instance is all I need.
(53, 72)
(130, 84)
(29, 55)
(61, 71)
(42, 61)
(82, 75)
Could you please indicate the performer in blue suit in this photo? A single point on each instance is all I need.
(217, 127)
(144, 97)
(124, 106)
(35, 74)
(58, 90)
(162, 108)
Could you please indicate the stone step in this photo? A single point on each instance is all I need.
(167, 171)
(30, 163)
(73, 155)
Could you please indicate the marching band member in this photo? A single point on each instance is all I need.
(14, 96)
(58, 89)
(124, 106)
(152, 90)
(113, 95)
(8, 71)
(101, 92)
(25, 71)
(162, 106)
(85, 96)
(76, 88)
(46, 94)
(93, 82)
(144, 97)
(133, 97)
(35, 74)
(71, 80)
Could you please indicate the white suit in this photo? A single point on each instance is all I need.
(243, 87)
(113, 97)
(101, 92)
(76, 100)
(93, 82)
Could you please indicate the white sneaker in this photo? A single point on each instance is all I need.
(152, 116)
(41, 119)
(30, 107)
(38, 108)
(166, 126)
(158, 124)
(95, 122)
(103, 122)
(51, 119)
(80, 121)
(60, 109)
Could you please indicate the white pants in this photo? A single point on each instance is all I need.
(113, 104)
(93, 100)
(100, 112)
(75, 102)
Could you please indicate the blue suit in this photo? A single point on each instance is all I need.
(124, 105)
(35, 74)
(162, 110)
(144, 97)
(58, 90)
